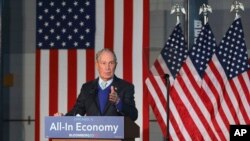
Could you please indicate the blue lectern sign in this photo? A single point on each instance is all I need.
(105, 127)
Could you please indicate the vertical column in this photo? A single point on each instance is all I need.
(1, 98)
(4, 67)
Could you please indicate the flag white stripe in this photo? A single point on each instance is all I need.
(44, 90)
(159, 105)
(154, 71)
(172, 132)
(118, 34)
(100, 26)
(62, 80)
(163, 65)
(179, 121)
(222, 125)
(137, 57)
(81, 69)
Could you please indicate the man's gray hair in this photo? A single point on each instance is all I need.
(105, 50)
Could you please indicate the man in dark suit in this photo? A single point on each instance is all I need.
(115, 98)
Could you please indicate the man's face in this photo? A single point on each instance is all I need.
(106, 65)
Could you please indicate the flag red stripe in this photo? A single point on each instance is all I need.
(145, 55)
(90, 64)
(234, 111)
(211, 85)
(209, 105)
(190, 98)
(158, 90)
(197, 108)
(38, 83)
(176, 127)
(188, 73)
(109, 24)
(127, 40)
(184, 113)
(72, 77)
(220, 114)
(229, 104)
(158, 68)
(53, 82)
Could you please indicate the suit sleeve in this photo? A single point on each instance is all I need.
(79, 107)
(129, 108)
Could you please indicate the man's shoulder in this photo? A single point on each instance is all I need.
(122, 81)
(91, 83)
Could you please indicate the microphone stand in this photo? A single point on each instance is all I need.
(167, 83)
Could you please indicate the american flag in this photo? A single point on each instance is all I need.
(226, 84)
(187, 111)
(121, 25)
(65, 24)
(168, 62)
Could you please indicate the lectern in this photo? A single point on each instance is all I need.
(91, 128)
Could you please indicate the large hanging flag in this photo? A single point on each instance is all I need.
(186, 108)
(226, 84)
(168, 62)
(121, 25)
(65, 24)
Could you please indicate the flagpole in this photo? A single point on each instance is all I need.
(167, 83)
(178, 10)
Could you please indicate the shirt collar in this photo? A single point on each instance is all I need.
(108, 82)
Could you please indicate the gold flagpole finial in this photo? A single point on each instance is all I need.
(204, 9)
(178, 10)
(237, 6)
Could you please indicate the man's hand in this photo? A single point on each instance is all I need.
(113, 96)
(58, 114)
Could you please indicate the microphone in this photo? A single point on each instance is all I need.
(166, 75)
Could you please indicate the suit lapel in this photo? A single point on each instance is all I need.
(96, 99)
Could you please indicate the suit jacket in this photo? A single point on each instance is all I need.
(87, 102)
